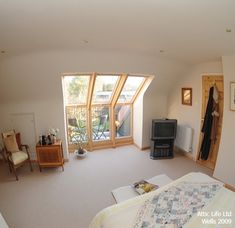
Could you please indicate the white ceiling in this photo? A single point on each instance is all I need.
(188, 30)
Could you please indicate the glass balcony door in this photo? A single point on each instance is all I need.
(99, 108)
(123, 121)
(100, 122)
(76, 124)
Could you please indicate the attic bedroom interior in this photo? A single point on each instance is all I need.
(117, 114)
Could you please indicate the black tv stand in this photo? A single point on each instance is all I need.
(162, 148)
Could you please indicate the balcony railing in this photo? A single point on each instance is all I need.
(77, 123)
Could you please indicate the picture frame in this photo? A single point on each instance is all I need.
(186, 94)
(232, 96)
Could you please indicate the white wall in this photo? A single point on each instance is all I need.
(138, 121)
(225, 167)
(158, 110)
(190, 115)
(32, 83)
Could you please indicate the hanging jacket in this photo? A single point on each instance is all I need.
(207, 126)
(215, 115)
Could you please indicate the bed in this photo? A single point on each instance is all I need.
(194, 200)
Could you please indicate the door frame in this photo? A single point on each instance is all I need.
(216, 75)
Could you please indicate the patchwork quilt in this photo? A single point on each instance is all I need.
(176, 205)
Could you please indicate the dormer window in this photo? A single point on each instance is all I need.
(99, 108)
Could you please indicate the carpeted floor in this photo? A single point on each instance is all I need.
(56, 199)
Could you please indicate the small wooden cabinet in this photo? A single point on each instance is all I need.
(50, 155)
(162, 148)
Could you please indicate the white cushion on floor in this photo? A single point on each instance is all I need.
(128, 192)
(3, 223)
(18, 157)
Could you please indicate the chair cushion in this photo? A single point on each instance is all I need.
(11, 144)
(18, 157)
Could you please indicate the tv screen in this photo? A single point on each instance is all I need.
(164, 129)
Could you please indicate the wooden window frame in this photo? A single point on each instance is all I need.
(113, 141)
(114, 89)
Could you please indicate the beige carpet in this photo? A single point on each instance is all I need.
(56, 199)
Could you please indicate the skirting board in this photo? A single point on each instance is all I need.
(230, 187)
(177, 150)
(186, 154)
(143, 148)
(35, 161)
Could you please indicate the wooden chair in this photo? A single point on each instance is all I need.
(16, 157)
(99, 130)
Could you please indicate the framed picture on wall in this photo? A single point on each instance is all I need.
(232, 96)
(187, 96)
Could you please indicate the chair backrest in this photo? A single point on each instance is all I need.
(8, 133)
(12, 132)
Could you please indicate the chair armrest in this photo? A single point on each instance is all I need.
(26, 148)
(8, 154)
(24, 145)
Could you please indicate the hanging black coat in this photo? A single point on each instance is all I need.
(206, 128)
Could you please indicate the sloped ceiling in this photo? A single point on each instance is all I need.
(188, 31)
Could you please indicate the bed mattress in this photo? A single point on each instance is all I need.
(213, 213)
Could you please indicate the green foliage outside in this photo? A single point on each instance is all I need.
(77, 89)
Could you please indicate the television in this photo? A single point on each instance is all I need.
(164, 129)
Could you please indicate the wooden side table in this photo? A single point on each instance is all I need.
(50, 155)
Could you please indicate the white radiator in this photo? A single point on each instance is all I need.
(184, 138)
